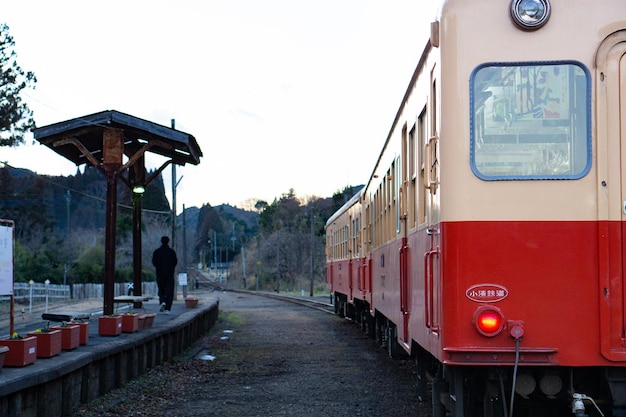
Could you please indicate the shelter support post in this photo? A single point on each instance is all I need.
(113, 147)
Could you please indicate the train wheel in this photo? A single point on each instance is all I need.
(422, 384)
(440, 389)
(356, 312)
(349, 310)
(363, 317)
(393, 348)
(339, 306)
(370, 325)
(380, 326)
(469, 394)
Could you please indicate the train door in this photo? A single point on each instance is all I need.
(349, 235)
(367, 249)
(431, 258)
(402, 228)
(611, 134)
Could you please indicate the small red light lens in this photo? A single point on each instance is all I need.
(489, 321)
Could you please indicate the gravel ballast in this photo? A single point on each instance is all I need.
(268, 357)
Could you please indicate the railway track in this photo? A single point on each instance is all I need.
(303, 301)
(311, 303)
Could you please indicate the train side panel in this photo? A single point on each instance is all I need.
(492, 228)
(536, 239)
(551, 296)
(346, 269)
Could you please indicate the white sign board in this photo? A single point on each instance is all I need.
(182, 279)
(6, 258)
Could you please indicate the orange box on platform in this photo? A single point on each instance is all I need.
(84, 330)
(130, 322)
(21, 352)
(70, 336)
(48, 343)
(110, 325)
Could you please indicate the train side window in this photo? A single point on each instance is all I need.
(412, 205)
(421, 142)
(530, 121)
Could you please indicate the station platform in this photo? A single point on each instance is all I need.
(53, 387)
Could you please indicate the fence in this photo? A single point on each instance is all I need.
(23, 291)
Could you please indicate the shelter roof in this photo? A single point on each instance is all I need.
(181, 147)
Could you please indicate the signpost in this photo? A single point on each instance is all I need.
(182, 281)
(6, 263)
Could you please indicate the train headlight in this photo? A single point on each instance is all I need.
(530, 14)
(488, 320)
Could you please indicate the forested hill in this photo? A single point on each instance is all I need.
(60, 223)
(47, 205)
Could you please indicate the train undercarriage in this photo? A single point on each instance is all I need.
(497, 391)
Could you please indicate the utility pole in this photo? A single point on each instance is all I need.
(243, 266)
(68, 199)
(184, 239)
(278, 262)
(174, 246)
(173, 198)
(312, 260)
(184, 262)
(215, 249)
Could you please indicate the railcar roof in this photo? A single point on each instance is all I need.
(356, 197)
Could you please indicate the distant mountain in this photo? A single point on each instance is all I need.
(249, 218)
(226, 212)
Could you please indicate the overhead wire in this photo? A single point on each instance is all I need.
(90, 123)
(93, 197)
(87, 122)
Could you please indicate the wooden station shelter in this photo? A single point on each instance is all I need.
(116, 144)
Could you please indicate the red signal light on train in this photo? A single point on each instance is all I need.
(489, 320)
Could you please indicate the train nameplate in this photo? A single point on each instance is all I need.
(486, 293)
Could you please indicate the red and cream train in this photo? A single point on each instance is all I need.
(489, 241)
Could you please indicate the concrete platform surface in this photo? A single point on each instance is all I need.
(105, 362)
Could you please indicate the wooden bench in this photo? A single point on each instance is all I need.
(136, 300)
(66, 316)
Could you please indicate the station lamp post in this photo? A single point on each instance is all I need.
(138, 180)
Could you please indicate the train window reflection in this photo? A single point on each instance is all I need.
(530, 121)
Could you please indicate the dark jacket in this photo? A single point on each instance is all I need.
(164, 260)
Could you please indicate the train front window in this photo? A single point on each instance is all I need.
(530, 121)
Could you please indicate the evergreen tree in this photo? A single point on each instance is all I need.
(154, 197)
(209, 223)
(15, 116)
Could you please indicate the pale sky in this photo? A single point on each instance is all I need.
(279, 94)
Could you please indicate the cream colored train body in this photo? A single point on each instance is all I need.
(489, 240)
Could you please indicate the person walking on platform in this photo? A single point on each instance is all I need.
(164, 260)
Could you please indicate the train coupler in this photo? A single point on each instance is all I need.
(578, 405)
